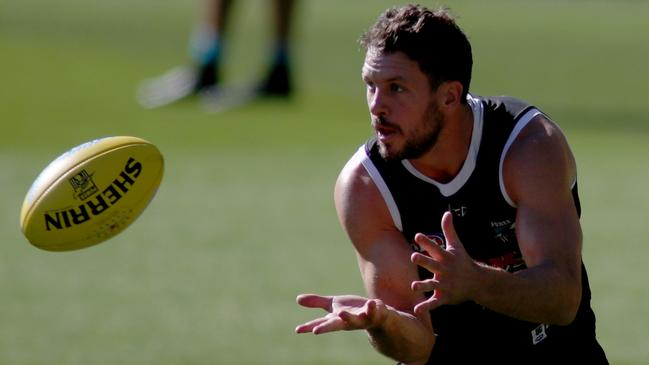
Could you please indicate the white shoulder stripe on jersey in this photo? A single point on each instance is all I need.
(362, 157)
(522, 122)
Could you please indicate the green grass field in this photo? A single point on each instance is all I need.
(244, 219)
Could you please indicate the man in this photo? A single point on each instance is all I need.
(204, 75)
(463, 212)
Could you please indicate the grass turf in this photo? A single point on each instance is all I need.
(244, 219)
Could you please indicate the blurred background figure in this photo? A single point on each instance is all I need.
(203, 77)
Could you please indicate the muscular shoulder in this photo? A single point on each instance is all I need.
(539, 157)
(359, 203)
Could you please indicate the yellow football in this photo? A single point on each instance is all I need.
(91, 193)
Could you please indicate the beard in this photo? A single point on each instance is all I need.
(417, 141)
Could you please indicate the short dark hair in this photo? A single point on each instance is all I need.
(429, 37)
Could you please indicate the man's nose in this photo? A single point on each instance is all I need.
(377, 103)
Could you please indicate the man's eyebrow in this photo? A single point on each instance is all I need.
(395, 78)
(398, 78)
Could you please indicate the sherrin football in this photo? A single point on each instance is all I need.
(91, 193)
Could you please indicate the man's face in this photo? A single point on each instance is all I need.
(403, 108)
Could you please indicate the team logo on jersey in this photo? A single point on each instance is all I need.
(510, 262)
(539, 334)
(504, 231)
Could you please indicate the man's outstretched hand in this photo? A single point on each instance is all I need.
(344, 313)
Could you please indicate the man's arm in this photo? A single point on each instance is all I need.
(384, 261)
(538, 173)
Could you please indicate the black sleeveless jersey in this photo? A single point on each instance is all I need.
(484, 218)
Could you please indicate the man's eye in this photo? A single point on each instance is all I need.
(396, 88)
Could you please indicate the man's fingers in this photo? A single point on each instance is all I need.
(315, 301)
(360, 319)
(424, 285)
(449, 230)
(332, 324)
(353, 320)
(424, 261)
(428, 305)
(343, 320)
(430, 246)
(309, 326)
(371, 309)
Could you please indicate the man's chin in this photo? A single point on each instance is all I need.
(389, 154)
(407, 152)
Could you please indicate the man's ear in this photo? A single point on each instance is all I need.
(450, 93)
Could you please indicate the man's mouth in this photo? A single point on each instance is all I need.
(384, 129)
(384, 134)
